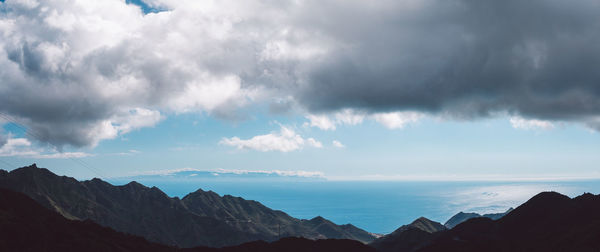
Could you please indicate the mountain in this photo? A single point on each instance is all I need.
(547, 222)
(462, 217)
(409, 237)
(295, 244)
(25, 225)
(199, 219)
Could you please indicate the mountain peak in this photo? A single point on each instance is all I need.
(135, 184)
(545, 200)
(549, 196)
(427, 225)
(409, 237)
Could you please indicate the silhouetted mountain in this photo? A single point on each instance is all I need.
(409, 237)
(294, 244)
(199, 219)
(27, 226)
(462, 217)
(547, 222)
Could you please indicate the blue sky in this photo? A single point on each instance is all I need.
(430, 149)
(427, 90)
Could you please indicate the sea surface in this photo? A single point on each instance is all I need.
(380, 207)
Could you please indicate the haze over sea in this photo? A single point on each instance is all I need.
(378, 206)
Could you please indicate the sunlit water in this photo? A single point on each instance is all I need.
(380, 207)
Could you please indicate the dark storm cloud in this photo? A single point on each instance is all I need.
(468, 59)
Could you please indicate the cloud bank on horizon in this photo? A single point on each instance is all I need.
(78, 72)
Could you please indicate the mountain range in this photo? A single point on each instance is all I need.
(27, 226)
(409, 237)
(201, 218)
(41, 211)
(462, 217)
(422, 231)
(547, 222)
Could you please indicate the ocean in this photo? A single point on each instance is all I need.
(380, 206)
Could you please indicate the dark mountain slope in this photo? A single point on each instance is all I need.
(409, 237)
(462, 217)
(27, 226)
(547, 222)
(131, 208)
(199, 219)
(293, 244)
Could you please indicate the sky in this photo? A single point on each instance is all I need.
(349, 90)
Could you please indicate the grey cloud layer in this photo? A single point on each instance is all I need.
(469, 59)
(77, 73)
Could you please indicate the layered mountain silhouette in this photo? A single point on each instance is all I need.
(41, 211)
(462, 217)
(25, 225)
(199, 219)
(409, 237)
(547, 222)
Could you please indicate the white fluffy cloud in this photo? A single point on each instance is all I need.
(337, 144)
(391, 120)
(22, 147)
(397, 120)
(530, 124)
(330, 122)
(285, 140)
(321, 121)
(92, 70)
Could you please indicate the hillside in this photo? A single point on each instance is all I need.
(462, 217)
(199, 219)
(547, 222)
(409, 237)
(27, 226)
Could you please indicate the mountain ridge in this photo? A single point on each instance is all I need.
(548, 221)
(409, 237)
(461, 217)
(25, 225)
(148, 212)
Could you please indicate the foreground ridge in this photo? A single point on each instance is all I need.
(547, 222)
(27, 226)
(199, 219)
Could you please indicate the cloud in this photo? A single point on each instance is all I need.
(391, 120)
(17, 147)
(330, 122)
(127, 153)
(397, 120)
(337, 144)
(321, 121)
(285, 140)
(76, 73)
(520, 123)
(3, 139)
(22, 147)
(461, 58)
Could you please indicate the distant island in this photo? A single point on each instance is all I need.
(189, 174)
